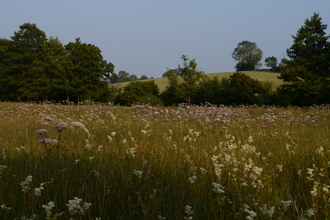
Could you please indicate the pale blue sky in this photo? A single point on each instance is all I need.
(148, 36)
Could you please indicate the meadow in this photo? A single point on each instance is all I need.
(143, 162)
(262, 76)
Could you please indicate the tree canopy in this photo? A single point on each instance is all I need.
(306, 73)
(248, 56)
(37, 68)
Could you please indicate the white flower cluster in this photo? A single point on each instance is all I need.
(217, 188)
(37, 191)
(251, 214)
(192, 179)
(48, 208)
(77, 206)
(188, 212)
(4, 207)
(130, 152)
(2, 167)
(270, 212)
(26, 184)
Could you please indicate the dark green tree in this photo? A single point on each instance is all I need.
(271, 62)
(84, 71)
(133, 77)
(136, 89)
(187, 85)
(143, 77)
(248, 56)
(243, 89)
(25, 48)
(171, 95)
(123, 76)
(306, 73)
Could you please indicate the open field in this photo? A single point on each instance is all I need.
(262, 76)
(142, 162)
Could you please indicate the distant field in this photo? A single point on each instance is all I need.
(262, 76)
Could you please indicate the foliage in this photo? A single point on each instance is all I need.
(185, 87)
(136, 89)
(242, 89)
(306, 74)
(271, 62)
(248, 56)
(35, 68)
(150, 99)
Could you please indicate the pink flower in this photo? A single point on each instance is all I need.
(78, 124)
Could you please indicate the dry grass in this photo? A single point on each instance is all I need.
(150, 163)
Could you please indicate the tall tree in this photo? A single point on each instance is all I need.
(25, 48)
(85, 70)
(306, 74)
(271, 62)
(123, 76)
(248, 56)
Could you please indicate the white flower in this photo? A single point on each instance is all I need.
(88, 146)
(37, 191)
(130, 152)
(192, 179)
(113, 133)
(286, 204)
(48, 141)
(124, 141)
(187, 210)
(138, 173)
(26, 184)
(270, 212)
(99, 148)
(144, 131)
(309, 212)
(76, 206)
(218, 188)
(48, 208)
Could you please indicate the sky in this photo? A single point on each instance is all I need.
(145, 37)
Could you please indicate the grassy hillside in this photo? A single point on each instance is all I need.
(262, 76)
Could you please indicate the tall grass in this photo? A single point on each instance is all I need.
(102, 162)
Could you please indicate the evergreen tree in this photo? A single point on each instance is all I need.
(306, 74)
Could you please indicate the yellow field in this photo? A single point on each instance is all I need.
(262, 76)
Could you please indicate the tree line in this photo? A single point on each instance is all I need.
(36, 68)
(305, 74)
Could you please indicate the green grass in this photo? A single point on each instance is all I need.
(263, 76)
(144, 162)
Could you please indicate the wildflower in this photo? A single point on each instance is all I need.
(130, 152)
(48, 118)
(48, 208)
(37, 191)
(144, 131)
(88, 146)
(124, 141)
(76, 206)
(78, 124)
(217, 188)
(192, 179)
(138, 173)
(309, 212)
(251, 214)
(25, 184)
(113, 133)
(203, 171)
(286, 204)
(279, 167)
(61, 126)
(161, 217)
(188, 212)
(41, 131)
(270, 212)
(109, 137)
(99, 148)
(48, 141)
(90, 158)
(4, 207)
